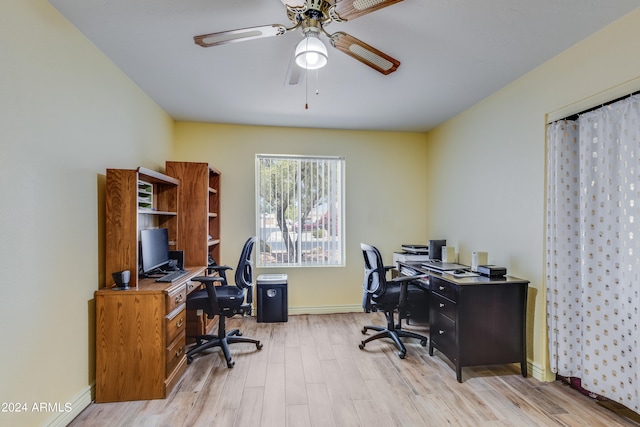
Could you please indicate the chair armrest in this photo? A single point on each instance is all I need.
(408, 278)
(404, 285)
(219, 268)
(208, 279)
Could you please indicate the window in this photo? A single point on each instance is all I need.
(299, 207)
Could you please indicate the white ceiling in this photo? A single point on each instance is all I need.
(453, 53)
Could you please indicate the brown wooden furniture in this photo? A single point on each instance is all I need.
(140, 332)
(199, 201)
(127, 212)
(140, 339)
(477, 320)
(198, 224)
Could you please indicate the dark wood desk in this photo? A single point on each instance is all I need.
(476, 320)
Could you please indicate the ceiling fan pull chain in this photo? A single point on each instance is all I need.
(306, 88)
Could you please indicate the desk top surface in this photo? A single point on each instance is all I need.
(150, 285)
(474, 280)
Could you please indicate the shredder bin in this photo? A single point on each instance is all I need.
(272, 298)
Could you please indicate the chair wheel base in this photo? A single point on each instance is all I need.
(361, 345)
(423, 343)
(230, 364)
(189, 360)
(402, 354)
(364, 330)
(259, 346)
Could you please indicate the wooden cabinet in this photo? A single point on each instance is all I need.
(140, 339)
(198, 223)
(141, 331)
(136, 199)
(199, 201)
(478, 320)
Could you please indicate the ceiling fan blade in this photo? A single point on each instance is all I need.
(224, 37)
(295, 74)
(364, 53)
(351, 9)
(295, 4)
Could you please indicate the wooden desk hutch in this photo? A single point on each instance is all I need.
(141, 332)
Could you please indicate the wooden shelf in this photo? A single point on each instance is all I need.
(199, 224)
(199, 195)
(124, 219)
(140, 332)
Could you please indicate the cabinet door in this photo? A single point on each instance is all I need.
(130, 350)
(491, 324)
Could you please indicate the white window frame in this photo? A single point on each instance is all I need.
(319, 242)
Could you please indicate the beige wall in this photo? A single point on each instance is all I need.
(66, 114)
(385, 200)
(493, 156)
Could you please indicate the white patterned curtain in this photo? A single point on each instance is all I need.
(593, 250)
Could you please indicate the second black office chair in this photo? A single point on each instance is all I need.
(225, 301)
(388, 296)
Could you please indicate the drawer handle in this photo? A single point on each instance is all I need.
(179, 299)
(180, 322)
(179, 351)
(441, 288)
(441, 305)
(190, 285)
(440, 331)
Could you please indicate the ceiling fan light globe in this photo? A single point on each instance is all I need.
(311, 53)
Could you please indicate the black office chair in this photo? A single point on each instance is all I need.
(224, 301)
(389, 296)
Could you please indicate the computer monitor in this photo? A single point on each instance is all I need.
(435, 248)
(154, 249)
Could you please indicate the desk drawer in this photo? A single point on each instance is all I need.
(443, 334)
(192, 286)
(176, 322)
(443, 305)
(175, 353)
(175, 297)
(446, 289)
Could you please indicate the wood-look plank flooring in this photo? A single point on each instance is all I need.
(312, 373)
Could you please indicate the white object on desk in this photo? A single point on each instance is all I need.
(478, 258)
(399, 257)
(448, 254)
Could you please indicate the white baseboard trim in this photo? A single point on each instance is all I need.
(326, 309)
(78, 404)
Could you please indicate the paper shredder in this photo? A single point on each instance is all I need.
(272, 298)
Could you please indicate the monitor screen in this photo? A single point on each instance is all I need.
(154, 249)
(435, 249)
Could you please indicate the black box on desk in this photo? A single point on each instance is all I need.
(492, 270)
(272, 298)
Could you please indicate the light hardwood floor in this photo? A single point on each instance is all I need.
(312, 373)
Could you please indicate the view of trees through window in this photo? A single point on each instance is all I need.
(299, 210)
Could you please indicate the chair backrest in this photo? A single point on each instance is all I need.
(244, 271)
(375, 282)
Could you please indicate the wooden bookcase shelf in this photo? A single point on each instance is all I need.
(199, 201)
(199, 223)
(141, 333)
(125, 216)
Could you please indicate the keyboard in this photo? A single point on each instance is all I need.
(172, 276)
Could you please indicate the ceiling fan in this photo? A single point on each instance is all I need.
(312, 16)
